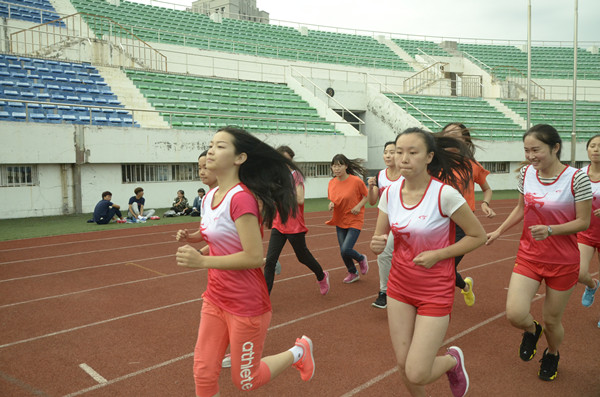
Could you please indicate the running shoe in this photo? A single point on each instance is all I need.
(469, 296)
(381, 301)
(324, 284)
(588, 295)
(226, 363)
(549, 368)
(278, 268)
(364, 265)
(306, 364)
(528, 346)
(121, 221)
(351, 277)
(457, 376)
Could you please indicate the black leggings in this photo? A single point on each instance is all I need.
(298, 242)
(460, 283)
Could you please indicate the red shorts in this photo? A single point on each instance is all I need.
(557, 277)
(585, 240)
(424, 308)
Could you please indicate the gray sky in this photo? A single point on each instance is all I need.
(552, 20)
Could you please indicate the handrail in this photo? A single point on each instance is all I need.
(157, 61)
(172, 113)
(539, 92)
(425, 77)
(315, 86)
(405, 101)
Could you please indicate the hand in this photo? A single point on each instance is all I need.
(188, 256)
(378, 243)
(490, 213)
(596, 213)
(426, 259)
(491, 237)
(355, 210)
(331, 205)
(539, 232)
(182, 235)
(372, 182)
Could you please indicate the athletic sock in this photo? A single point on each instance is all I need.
(297, 352)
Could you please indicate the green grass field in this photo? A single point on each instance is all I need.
(15, 229)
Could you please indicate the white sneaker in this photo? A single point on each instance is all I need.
(226, 363)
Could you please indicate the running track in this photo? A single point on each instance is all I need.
(111, 314)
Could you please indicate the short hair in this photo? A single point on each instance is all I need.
(137, 190)
(106, 193)
(201, 190)
(286, 149)
(182, 192)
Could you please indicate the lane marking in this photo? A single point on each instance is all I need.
(145, 268)
(91, 372)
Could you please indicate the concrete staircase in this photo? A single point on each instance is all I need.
(401, 53)
(508, 112)
(131, 98)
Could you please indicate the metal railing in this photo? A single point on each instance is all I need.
(41, 39)
(519, 79)
(425, 78)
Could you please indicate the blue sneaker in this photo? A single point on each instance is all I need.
(588, 295)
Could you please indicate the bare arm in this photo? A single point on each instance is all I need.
(487, 199)
(300, 194)
(373, 190)
(359, 206)
(583, 211)
(382, 230)
(514, 218)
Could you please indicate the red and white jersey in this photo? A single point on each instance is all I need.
(424, 227)
(384, 181)
(294, 224)
(548, 204)
(593, 232)
(240, 292)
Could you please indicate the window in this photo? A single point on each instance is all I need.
(133, 173)
(581, 164)
(496, 167)
(315, 170)
(18, 175)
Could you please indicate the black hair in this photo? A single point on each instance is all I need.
(466, 135)
(201, 190)
(106, 193)
(182, 192)
(546, 134)
(388, 143)
(353, 167)
(266, 172)
(448, 166)
(203, 154)
(587, 145)
(286, 149)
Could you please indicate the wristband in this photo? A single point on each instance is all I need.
(486, 202)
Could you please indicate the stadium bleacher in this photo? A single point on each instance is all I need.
(59, 91)
(38, 11)
(210, 103)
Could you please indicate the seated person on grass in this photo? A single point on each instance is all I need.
(105, 210)
(136, 206)
(180, 204)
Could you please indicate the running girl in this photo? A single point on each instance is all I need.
(589, 240)
(236, 309)
(421, 211)
(555, 202)
(377, 184)
(347, 196)
(294, 231)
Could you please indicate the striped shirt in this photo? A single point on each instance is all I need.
(582, 188)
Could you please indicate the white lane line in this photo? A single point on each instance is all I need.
(91, 372)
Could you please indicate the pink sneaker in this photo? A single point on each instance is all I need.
(364, 265)
(306, 364)
(121, 221)
(324, 284)
(457, 376)
(351, 277)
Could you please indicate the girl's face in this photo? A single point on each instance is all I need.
(339, 169)
(593, 150)
(412, 156)
(179, 194)
(388, 155)
(206, 176)
(221, 153)
(539, 154)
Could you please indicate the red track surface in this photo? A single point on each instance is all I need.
(117, 302)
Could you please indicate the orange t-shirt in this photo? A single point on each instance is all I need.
(345, 195)
(479, 177)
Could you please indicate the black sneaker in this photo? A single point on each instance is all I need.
(528, 346)
(549, 367)
(381, 301)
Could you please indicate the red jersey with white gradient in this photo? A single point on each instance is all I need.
(240, 292)
(548, 204)
(294, 224)
(384, 181)
(593, 232)
(424, 227)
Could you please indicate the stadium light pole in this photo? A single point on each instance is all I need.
(573, 132)
(529, 64)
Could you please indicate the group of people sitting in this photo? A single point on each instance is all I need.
(107, 211)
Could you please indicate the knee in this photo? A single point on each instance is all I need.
(516, 317)
(416, 375)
